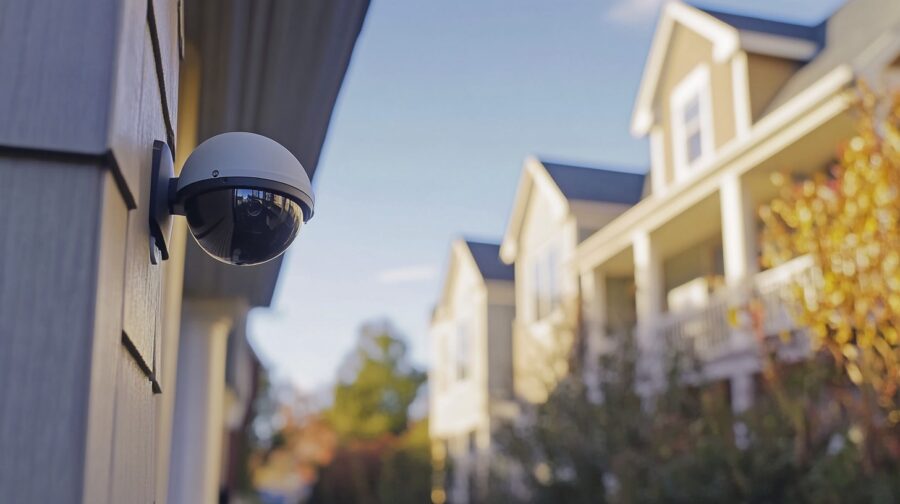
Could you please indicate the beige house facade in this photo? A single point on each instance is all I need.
(671, 258)
(471, 372)
(726, 100)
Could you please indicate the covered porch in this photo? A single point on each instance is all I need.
(690, 260)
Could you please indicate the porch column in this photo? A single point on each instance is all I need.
(648, 278)
(649, 283)
(739, 247)
(742, 391)
(593, 309)
(742, 394)
(198, 421)
(739, 241)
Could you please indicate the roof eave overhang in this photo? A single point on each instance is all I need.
(510, 244)
(255, 88)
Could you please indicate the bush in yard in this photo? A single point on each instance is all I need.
(682, 448)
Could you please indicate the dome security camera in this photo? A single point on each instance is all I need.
(244, 195)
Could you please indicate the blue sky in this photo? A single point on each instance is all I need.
(442, 102)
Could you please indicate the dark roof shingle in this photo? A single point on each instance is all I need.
(487, 258)
(597, 184)
(811, 33)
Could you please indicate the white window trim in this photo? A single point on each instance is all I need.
(463, 347)
(540, 255)
(697, 83)
(658, 176)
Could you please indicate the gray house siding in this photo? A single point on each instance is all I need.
(89, 328)
(84, 92)
(48, 264)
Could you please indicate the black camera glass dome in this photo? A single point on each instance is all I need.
(243, 226)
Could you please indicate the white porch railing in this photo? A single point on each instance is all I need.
(707, 331)
(776, 289)
(699, 331)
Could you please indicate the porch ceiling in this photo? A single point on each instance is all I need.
(811, 153)
(695, 224)
(621, 265)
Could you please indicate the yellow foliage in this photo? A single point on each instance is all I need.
(849, 221)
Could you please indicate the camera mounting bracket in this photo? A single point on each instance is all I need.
(162, 171)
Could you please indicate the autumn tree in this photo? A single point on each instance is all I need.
(376, 387)
(383, 456)
(847, 221)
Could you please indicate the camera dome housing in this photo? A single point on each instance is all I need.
(245, 197)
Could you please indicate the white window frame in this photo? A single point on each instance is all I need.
(695, 84)
(446, 358)
(541, 270)
(463, 347)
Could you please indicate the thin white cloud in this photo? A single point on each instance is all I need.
(634, 11)
(407, 274)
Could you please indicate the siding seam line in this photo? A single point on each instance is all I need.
(160, 76)
(132, 350)
(106, 159)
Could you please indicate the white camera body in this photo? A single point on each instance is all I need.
(244, 195)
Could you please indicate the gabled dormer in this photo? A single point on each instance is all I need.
(709, 77)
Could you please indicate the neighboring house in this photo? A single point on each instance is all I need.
(556, 207)
(124, 380)
(470, 379)
(726, 100)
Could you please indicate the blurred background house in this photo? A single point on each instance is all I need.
(125, 380)
(471, 375)
(671, 257)
(556, 207)
(727, 100)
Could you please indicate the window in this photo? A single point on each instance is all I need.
(692, 131)
(546, 295)
(463, 351)
(444, 370)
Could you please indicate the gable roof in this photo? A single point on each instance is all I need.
(811, 33)
(728, 34)
(572, 183)
(487, 258)
(596, 184)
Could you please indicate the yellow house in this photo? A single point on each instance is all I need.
(471, 371)
(725, 100)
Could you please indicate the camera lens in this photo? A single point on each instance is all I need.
(243, 226)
